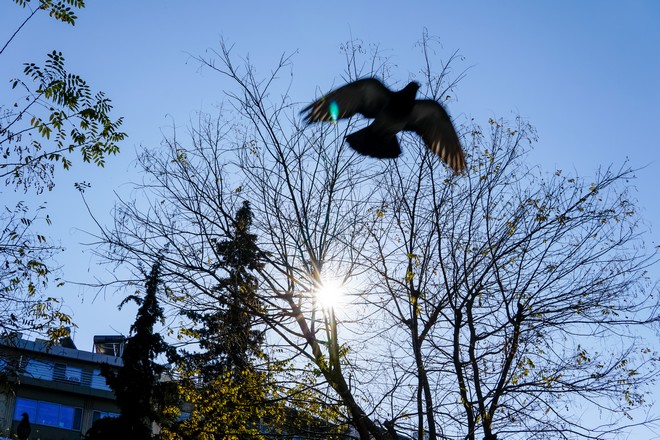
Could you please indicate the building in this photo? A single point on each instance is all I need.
(63, 392)
(58, 386)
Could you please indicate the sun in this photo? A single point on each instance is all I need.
(330, 294)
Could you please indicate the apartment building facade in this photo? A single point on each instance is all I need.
(58, 386)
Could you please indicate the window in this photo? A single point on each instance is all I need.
(73, 374)
(28, 406)
(59, 371)
(101, 414)
(49, 413)
(67, 373)
(39, 369)
(69, 417)
(98, 381)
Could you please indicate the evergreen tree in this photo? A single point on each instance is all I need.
(227, 336)
(140, 394)
(228, 392)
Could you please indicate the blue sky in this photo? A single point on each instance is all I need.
(585, 74)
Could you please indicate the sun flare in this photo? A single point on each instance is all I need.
(330, 294)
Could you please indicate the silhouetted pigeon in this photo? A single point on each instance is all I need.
(23, 429)
(391, 112)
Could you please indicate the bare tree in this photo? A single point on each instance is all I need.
(520, 294)
(478, 303)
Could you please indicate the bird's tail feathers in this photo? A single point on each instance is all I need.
(369, 143)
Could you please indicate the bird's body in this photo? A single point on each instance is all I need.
(391, 112)
(23, 429)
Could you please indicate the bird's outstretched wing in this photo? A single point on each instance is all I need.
(430, 120)
(366, 96)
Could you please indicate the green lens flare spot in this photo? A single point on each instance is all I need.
(334, 111)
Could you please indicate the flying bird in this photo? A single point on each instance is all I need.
(391, 112)
(23, 429)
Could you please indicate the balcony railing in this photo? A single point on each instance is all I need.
(64, 374)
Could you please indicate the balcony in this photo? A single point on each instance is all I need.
(64, 377)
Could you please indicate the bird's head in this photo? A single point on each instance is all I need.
(411, 89)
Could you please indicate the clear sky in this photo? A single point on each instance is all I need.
(585, 73)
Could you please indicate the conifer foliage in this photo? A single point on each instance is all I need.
(224, 383)
(227, 334)
(141, 393)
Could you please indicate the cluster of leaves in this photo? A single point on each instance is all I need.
(227, 407)
(76, 120)
(58, 10)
